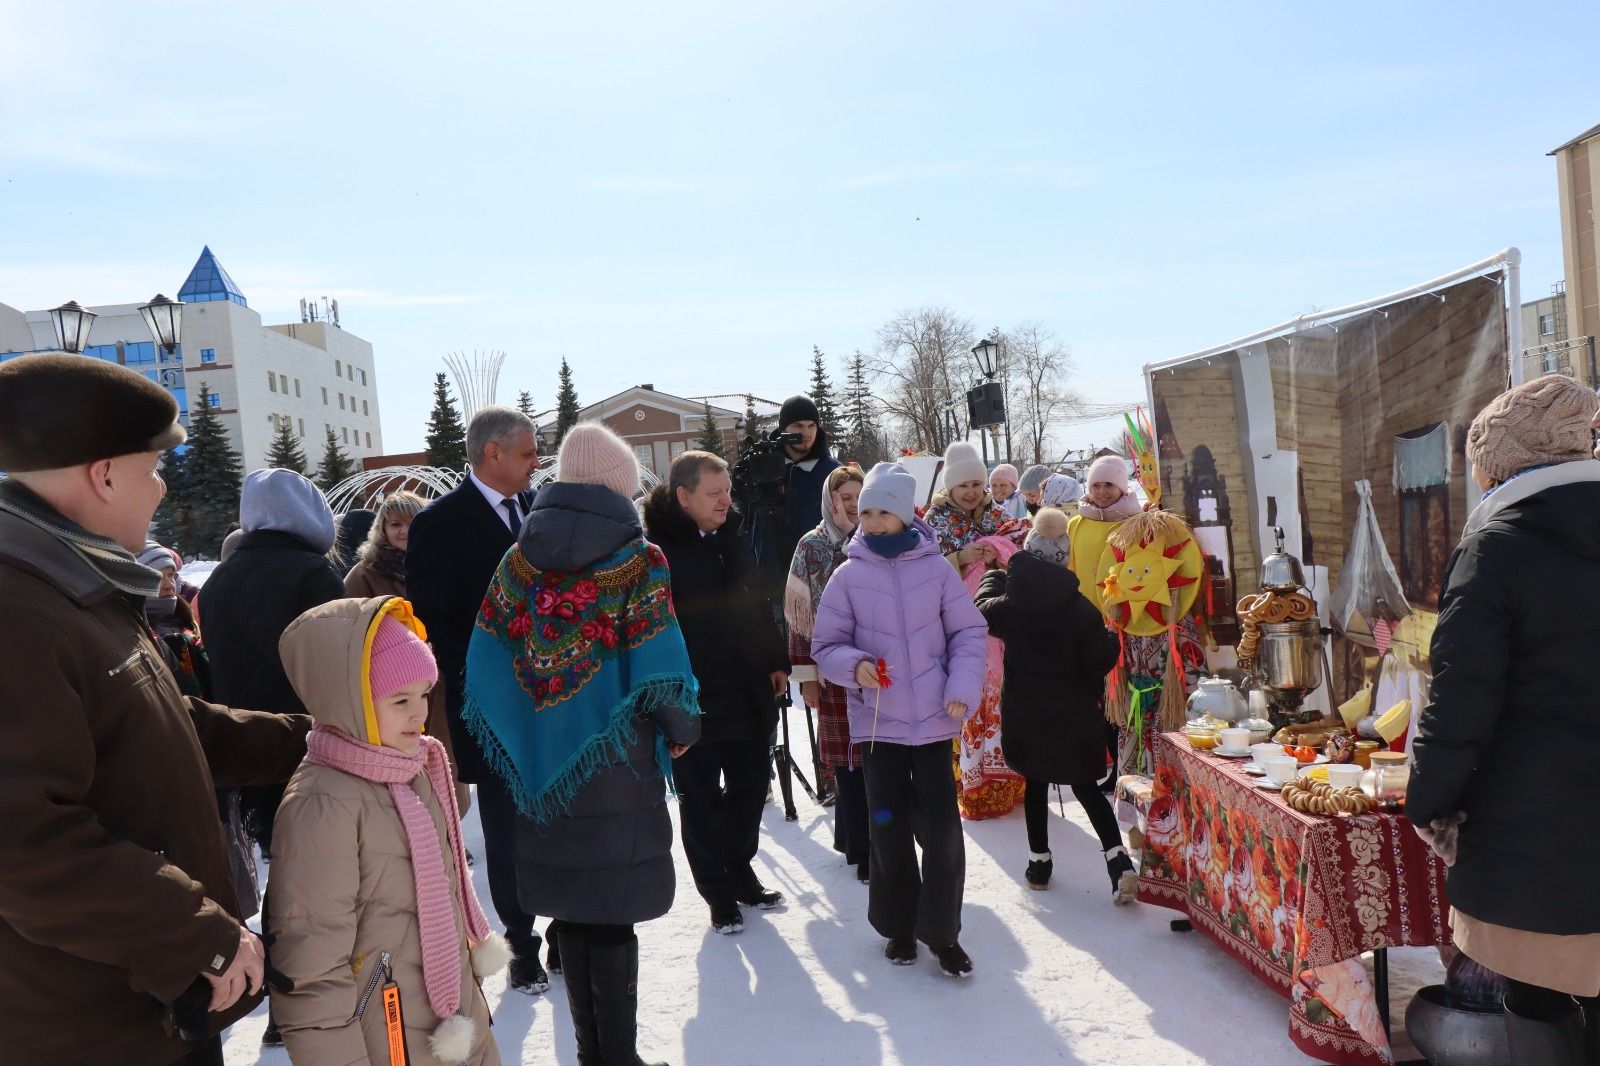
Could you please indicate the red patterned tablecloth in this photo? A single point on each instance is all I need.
(1294, 897)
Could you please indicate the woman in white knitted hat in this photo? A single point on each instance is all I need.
(968, 522)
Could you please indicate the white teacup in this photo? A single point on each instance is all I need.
(1345, 775)
(1281, 769)
(1262, 752)
(1235, 741)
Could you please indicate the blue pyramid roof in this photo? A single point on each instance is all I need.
(208, 282)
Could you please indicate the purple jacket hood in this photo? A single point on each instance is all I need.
(913, 612)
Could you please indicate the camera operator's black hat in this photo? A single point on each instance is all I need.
(798, 409)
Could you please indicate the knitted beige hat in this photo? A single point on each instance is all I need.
(1540, 423)
(593, 455)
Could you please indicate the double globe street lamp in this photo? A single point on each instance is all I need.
(163, 317)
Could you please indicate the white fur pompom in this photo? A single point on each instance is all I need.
(490, 956)
(452, 1041)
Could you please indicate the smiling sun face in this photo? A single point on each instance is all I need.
(1142, 581)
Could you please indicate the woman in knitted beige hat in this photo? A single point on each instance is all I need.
(1511, 734)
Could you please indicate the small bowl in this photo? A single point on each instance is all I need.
(1345, 775)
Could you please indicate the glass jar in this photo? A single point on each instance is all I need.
(1391, 773)
(1202, 734)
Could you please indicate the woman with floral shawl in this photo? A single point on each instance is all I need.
(580, 694)
(974, 534)
(816, 557)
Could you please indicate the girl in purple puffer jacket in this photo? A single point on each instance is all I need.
(897, 602)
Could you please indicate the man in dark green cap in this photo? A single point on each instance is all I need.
(120, 938)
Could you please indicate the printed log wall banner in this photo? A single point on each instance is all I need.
(1278, 432)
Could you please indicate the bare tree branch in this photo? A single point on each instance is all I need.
(924, 356)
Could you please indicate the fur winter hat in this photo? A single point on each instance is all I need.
(593, 455)
(1048, 538)
(65, 410)
(1112, 468)
(1540, 423)
(961, 463)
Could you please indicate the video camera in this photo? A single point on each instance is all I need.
(759, 474)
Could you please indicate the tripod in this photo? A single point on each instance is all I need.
(783, 757)
(766, 512)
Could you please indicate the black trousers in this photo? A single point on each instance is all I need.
(850, 834)
(1036, 809)
(722, 788)
(498, 813)
(1545, 1004)
(911, 794)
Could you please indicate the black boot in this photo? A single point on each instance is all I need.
(574, 950)
(614, 984)
(1536, 1043)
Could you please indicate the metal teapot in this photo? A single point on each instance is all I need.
(1218, 698)
(1280, 571)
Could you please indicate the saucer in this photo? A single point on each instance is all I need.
(1231, 754)
(1267, 784)
(1255, 771)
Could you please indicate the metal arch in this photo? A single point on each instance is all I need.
(367, 488)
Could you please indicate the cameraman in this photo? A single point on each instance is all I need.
(805, 477)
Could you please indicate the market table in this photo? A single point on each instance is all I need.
(1294, 897)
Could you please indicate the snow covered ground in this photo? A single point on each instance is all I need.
(1061, 976)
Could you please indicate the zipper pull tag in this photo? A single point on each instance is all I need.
(394, 1019)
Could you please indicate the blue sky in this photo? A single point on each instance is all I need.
(695, 194)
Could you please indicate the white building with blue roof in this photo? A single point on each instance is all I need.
(312, 374)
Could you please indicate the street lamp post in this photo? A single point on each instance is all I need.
(986, 401)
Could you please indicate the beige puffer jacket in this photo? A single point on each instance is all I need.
(342, 892)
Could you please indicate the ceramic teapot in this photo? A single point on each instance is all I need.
(1217, 697)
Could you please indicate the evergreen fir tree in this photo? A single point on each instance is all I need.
(286, 452)
(212, 475)
(525, 403)
(172, 520)
(446, 441)
(567, 408)
(863, 443)
(751, 430)
(822, 396)
(710, 436)
(336, 465)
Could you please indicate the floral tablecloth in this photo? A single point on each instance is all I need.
(1294, 897)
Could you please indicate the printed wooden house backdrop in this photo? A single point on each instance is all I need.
(1279, 432)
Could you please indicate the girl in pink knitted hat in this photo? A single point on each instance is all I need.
(371, 899)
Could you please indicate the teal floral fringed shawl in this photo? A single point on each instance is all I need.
(562, 666)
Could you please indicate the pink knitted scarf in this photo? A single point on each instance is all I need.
(441, 969)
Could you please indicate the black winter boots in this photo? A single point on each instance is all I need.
(602, 981)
